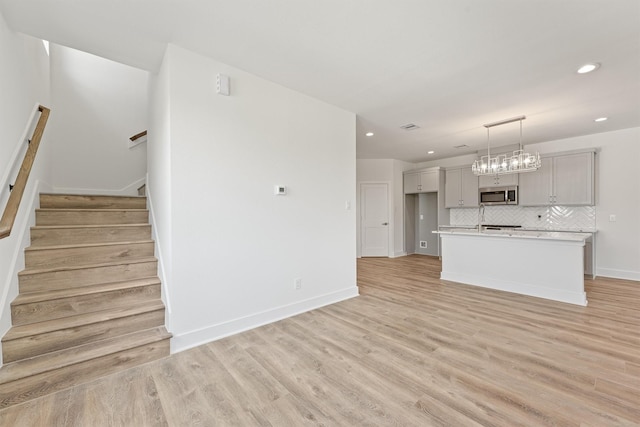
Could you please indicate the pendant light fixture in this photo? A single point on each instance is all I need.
(504, 164)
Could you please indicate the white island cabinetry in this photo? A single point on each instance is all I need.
(541, 264)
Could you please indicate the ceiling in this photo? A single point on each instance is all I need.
(446, 66)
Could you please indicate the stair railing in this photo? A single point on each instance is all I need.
(138, 138)
(17, 189)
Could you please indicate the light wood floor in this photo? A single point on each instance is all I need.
(411, 350)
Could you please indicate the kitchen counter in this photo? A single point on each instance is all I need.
(543, 264)
(519, 233)
(589, 250)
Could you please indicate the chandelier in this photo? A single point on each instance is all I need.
(502, 164)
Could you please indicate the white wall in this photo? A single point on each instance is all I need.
(463, 160)
(236, 247)
(159, 177)
(24, 82)
(617, 193)
(98, 105)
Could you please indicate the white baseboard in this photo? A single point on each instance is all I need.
(20, 232)
(191, 339)
(159, 256)
(129, 190)
(398, 254)
(618, 274)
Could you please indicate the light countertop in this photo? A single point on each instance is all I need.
(519, 234)
(560, 230)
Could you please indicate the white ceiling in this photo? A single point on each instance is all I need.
(448, 66)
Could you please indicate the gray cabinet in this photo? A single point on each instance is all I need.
(421, 181)
(411, 183)
(461, 188)
(573, 179)
(507, 180)
(566, 179)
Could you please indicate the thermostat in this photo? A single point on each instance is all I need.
(280, 190)
(222, 84)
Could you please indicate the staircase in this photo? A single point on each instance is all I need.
(89, 301)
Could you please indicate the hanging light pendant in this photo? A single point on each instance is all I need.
(502, 164)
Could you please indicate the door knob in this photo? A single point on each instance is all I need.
(385, 223)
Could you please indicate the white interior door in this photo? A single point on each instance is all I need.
(374, 219)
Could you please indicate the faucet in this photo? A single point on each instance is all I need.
(480, 216)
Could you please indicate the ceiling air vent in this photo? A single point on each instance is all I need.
(409, 126)
(461, 146)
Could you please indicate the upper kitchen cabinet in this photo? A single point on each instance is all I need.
(508, 180)
(421, 181)
(461, 188)
(563, 179)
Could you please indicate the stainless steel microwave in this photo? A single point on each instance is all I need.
(499, 195)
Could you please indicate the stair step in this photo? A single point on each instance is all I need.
(41, 279)
(90, 297)
(46, 305)
(79, 234)
(25, 341)
(91, 216)
(74, 201)
(27, 379)
(52, 256)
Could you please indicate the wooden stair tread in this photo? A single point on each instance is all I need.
(93, 196)
(70, 356)
(85, 245)
(48, 200)
(22, 331)
(90, 210)
(28, 271)
(37, 296)
(82, 226)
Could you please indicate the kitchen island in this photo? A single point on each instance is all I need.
(537, 263)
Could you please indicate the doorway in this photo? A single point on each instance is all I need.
(374, 220)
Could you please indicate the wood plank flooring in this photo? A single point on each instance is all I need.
(411, 350)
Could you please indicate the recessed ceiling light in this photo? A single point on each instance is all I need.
(587, 68)
(600, 119)
(369, 133)
(430, 152)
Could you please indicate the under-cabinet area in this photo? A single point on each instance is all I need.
(424, 210)
(421, 219)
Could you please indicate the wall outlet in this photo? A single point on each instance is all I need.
(297, 283)
(612, 218)
(423, 244)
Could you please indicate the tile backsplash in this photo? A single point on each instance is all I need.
(543, 217)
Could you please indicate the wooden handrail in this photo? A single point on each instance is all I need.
(11, 210)
(138, 135)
